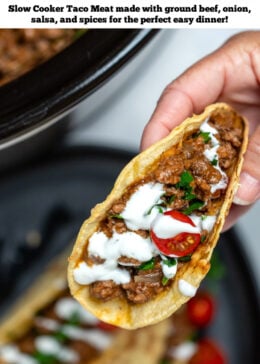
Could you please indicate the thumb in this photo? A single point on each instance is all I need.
(249, 190)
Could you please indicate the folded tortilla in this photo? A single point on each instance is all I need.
(120, 311)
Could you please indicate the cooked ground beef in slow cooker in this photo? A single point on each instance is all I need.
(23, 49)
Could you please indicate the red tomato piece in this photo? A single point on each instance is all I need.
(106, 327)
(208, 353)
(177, 215)
(179, 246)
(201, 309)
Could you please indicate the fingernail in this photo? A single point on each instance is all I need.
(248, 191)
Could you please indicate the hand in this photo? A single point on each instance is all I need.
(230, 74)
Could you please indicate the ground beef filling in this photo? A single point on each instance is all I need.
(23, 49)
(145, 284)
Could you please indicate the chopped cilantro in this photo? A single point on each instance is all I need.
(43, 358)
(193, 206)
(147, 265)
(165, 280)
(117, 216)
(186, 179)
(205, 135)
(170, 262)
(214, 162)
(203, 217)
(185, 259)
(202, 238)
(189, 196)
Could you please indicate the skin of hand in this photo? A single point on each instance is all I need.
(230, 74)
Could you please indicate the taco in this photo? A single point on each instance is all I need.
(48, 326)
(144, 251)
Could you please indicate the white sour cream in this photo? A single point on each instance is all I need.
(183, 351)
(211, 154)
(164, 227)
(66, 307)
(127, 244)
(138, 212)
(204, 222)
(85, 274)
(12, 355)
(186, 288)
(169, 272)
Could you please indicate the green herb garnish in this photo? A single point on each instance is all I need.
(165, 280)
(117, 216)
(214, 162)
(189, 196)
(184, 184)
(147, 265)
(170, 262)
(193, 206)
(203, 217)
(185, 259)
(205, 135)
(43, 358)
(186, 179)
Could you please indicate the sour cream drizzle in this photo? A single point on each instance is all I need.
(111, 249)
(138, 212)
(211, 154)
(186, 288)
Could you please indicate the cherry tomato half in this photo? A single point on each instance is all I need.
(180, 245)
(201, 309)
(208, 353)
(177, 215)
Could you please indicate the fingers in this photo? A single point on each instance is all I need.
(199, 86)
(249, 190)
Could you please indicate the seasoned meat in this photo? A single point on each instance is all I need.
(226, 155)
(169, 169)
(23, 49)
(141, 292)
(203, 168)
(105, 290)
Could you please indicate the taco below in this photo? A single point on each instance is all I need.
(144, 251)
(48, 326)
